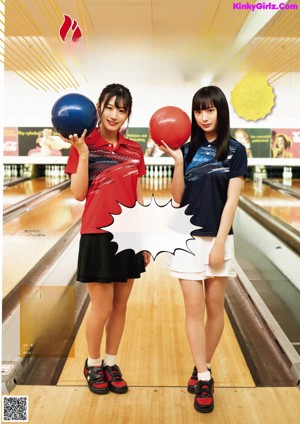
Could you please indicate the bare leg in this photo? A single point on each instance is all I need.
(214, 300)
(115, 324)
(195, 306)
(101, 296)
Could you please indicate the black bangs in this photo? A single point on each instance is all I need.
(122, 95)
(201, 102)
(208, 97)
(122, 102)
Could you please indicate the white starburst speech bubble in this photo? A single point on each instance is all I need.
(152, 228)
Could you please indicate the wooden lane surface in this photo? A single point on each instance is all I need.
(160, 405)
(156, 361)
(295, 182)
(157, 188)
(283, 206)
(31, 235)
(28, 237)
(154, 350)
(17, 193)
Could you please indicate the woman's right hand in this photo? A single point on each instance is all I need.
(77, 142)
(175, 154)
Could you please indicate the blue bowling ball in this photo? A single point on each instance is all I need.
(72, 114)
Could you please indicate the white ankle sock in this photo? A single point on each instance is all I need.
(94, 362)
(109, 360)
(204, 376)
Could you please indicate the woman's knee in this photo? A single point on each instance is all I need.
(195, 309)
(119, 308)
(214, 307)
(101, 313)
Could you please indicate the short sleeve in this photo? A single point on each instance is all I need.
(72, 162)
(238, 162)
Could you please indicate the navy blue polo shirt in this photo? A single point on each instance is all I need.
(206, 184)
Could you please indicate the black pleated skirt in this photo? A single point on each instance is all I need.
(98, 261)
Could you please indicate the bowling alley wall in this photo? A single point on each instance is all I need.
(28, 135)
(45, 142)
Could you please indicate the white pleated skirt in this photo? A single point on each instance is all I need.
(188, 266)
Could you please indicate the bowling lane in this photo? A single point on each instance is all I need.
(295, 182)
(32, 234)
(293, 189)
(160, 188)
(156, 323)
(28, 237)
(267, 258)
(279, 204)
(18, 192)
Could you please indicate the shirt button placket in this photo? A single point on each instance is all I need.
(111, 152)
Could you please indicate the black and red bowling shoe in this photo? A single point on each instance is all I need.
(114, 378)
(204, 401)
(193, 381)
(96, 380)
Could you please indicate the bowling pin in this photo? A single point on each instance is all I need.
(289, 176)
(151, 171)
(284, 175)
(62, 172)
(160, 173)
(15, 171)
(165, 171)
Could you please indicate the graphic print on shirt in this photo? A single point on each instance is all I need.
(106, 167)
(206, 184)
(113, 178)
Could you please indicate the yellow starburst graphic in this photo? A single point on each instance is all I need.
(253, 97)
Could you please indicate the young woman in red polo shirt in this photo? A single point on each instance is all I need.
(106, 170)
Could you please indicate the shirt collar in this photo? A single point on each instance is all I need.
(211, 143)
(96, 137)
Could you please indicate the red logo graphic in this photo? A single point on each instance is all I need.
(68, 24)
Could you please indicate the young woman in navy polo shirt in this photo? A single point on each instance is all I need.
(208, 177)
(106, 169)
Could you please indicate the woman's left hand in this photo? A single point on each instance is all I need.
(147, 257)
(217, 256)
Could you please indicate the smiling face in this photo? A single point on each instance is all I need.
(207, 120)
(112, 116)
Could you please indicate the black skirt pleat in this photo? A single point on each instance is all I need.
(99, 262)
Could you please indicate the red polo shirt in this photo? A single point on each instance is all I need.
(113, 174)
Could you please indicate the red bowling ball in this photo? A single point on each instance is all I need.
(170, 124)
